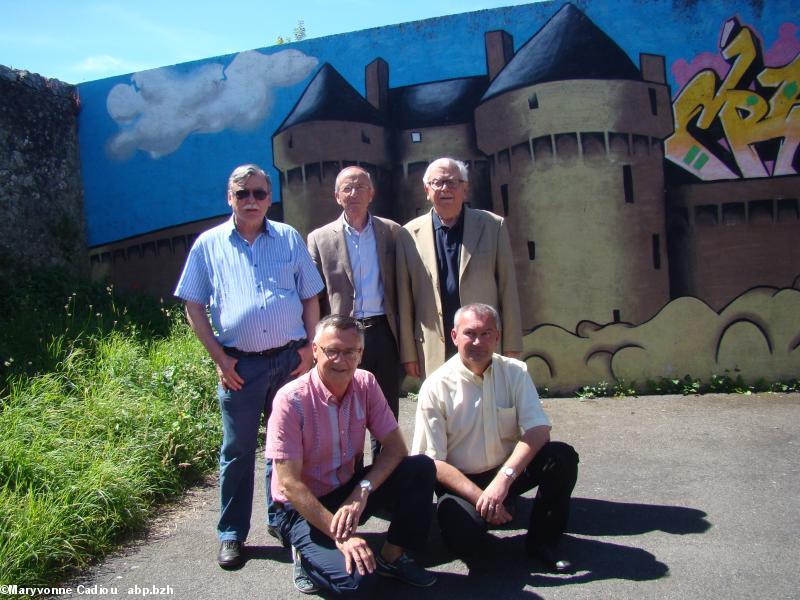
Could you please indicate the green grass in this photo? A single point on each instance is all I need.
(45, 313)
(125, 418)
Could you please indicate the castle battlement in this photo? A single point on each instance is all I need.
(568, 147)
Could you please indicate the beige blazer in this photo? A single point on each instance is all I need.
(486, 274)
(328, 249)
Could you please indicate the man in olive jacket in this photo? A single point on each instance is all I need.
(451, 256)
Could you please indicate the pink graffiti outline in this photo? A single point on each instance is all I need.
(783, 49)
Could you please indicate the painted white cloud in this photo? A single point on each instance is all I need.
(160, 108)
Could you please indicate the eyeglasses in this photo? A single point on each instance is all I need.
(349, 189)
(245, 193)
(333, 353)
(440, 184)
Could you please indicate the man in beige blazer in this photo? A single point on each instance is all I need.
(449, 257)
(355, 255)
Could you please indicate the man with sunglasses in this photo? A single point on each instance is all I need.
(323, 492)
(260, 286)
(451, 256)
(355, 255)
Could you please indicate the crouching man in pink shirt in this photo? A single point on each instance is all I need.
(323, 493)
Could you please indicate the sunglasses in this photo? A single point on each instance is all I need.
(257, 194)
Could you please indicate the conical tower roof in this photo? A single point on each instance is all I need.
(329, 97)
(569, 46)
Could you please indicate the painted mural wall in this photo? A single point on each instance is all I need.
(644, 154)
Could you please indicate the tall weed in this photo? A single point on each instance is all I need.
(45, 315)
(125, 418)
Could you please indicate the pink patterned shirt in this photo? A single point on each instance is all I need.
(308, 424)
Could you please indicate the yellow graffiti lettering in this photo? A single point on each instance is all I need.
(744, 113)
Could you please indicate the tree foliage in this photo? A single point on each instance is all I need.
(298, 33)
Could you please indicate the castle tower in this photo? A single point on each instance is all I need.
(432, 120)
(331, 127)
(574, 131)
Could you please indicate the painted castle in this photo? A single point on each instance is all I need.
(617, 199)
(565, 138)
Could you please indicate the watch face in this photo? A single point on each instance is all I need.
(508, 472)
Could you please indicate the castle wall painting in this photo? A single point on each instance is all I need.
(644, 155)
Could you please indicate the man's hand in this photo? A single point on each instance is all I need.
(306, 360)
(345, 520)
(224, 364)
(412, 369)
(356, 551)
(490, 504)
(500, 516)
(226, 371)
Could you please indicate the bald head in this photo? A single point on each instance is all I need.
(351, 171)
(353, 193)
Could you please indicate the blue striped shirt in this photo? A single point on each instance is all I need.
(253, 292)
(362, 248)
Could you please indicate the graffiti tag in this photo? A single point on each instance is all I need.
(746, 125)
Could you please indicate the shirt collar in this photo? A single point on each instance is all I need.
(437, 222)
(352, 230)
(230, 227)
(462, 370)
(324, 392)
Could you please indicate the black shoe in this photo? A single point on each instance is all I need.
(230, 554)
(273, 531)
(552, 558)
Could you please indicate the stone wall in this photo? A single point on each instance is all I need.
(41, 194)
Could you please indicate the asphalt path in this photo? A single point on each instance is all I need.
(677, 497)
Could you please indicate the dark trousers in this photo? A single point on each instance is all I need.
(382, 359)
(554, 469)
(406, 494)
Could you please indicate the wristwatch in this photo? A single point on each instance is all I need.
(365, 484)
(508, 472)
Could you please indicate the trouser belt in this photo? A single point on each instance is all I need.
(236, 353)
(368, 322)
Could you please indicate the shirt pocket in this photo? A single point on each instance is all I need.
(279, 279)
(507, 424)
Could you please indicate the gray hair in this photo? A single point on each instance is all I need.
(479, 309)
(339, 323)
(463, 171)
(244, 172)
(351, 168)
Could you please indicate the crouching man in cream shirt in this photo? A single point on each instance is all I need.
(479, 417)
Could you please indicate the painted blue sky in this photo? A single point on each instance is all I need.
(86, 40)
(157, 146)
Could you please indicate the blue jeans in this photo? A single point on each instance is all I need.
(241, 416)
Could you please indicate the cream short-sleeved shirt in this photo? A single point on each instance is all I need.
(471, 422)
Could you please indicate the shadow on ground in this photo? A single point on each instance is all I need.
(603, 517)
(503, 570)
